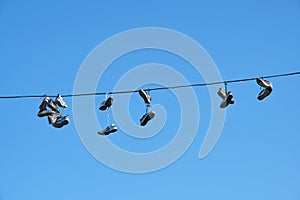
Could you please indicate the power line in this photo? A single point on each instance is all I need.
(156, 88)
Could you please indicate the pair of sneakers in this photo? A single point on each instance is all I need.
(149, 115)
(54, 116)
(227, 98)
(268, 88)
(105, 105)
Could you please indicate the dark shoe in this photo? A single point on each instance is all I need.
(106, 104)
(44, 103)
(264, 93)
(146, 118)
(146, 97)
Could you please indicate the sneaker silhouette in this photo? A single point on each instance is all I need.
(146, 118)
(146, 97)
(264, 93)
(108, 130)
(106, 103)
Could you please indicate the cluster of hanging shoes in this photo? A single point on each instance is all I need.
(107, 103)
(55, 116)
(227, 97)
(58, 120)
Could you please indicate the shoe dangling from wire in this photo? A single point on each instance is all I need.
(149, 115)
(108, 130)
(55, 117)
(106, 105)
(226, 96)
(60, 102)
(108, 102)
(268, 88)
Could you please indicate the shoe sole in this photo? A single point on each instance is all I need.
(145, 121)
(264, 94)
(103, 108)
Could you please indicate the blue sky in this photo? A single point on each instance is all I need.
(43, 45)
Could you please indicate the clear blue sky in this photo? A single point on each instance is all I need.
(258, 155)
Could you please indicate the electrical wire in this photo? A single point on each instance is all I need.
(152, 89)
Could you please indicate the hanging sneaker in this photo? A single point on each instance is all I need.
(146, 97)
(61, 121)
(146, 118)
(52, 105)
(227, 100)
(60, 102)
(222, 94)
(263, 83)
(110, 129)
(264, 93)
(106, 104)
(44, 103)
(43, 110)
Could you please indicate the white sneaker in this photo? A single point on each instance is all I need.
(60, 102)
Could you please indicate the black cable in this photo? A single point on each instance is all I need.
(157, 88)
